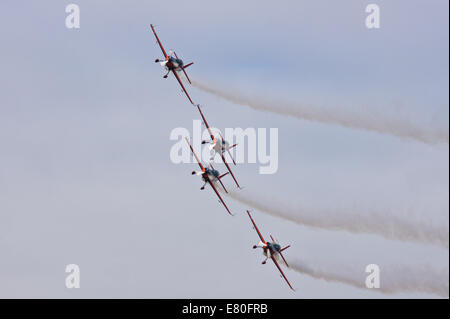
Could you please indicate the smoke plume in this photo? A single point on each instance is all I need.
(357, 119)
(370, 221)
(393, 278)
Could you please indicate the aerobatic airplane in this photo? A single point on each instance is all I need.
(210, 176)
(219, 146)
(271, 250)
(173, 64)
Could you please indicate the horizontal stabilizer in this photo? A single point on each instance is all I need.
(223, 175)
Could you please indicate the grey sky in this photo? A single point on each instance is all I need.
(85, 118)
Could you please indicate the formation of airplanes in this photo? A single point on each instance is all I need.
(209, 175)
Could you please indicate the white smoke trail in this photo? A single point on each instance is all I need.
(372, 222)
(393, 278)
(344, 117)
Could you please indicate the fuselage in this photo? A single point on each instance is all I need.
(220, 146)
(173, 64)
(270, 249)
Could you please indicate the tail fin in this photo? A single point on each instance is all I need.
(223, 175)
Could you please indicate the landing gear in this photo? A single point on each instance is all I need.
(157, 60)
(203, 187)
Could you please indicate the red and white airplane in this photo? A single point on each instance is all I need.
(271, 250)
(173, 64)
(220, 146)
(210, 176)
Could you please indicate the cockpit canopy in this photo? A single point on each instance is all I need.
(179, 62)
(274, 246)
(215, 173)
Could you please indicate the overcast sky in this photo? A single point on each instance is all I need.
(85, 119)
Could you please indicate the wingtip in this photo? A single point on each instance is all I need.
(229, 212)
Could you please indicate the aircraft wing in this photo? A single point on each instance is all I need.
(220, 197)
(195, 155)
(159, 42)
(206, 123)
(229, 169)
(282, 273)
(256, 227)
(181, 83)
